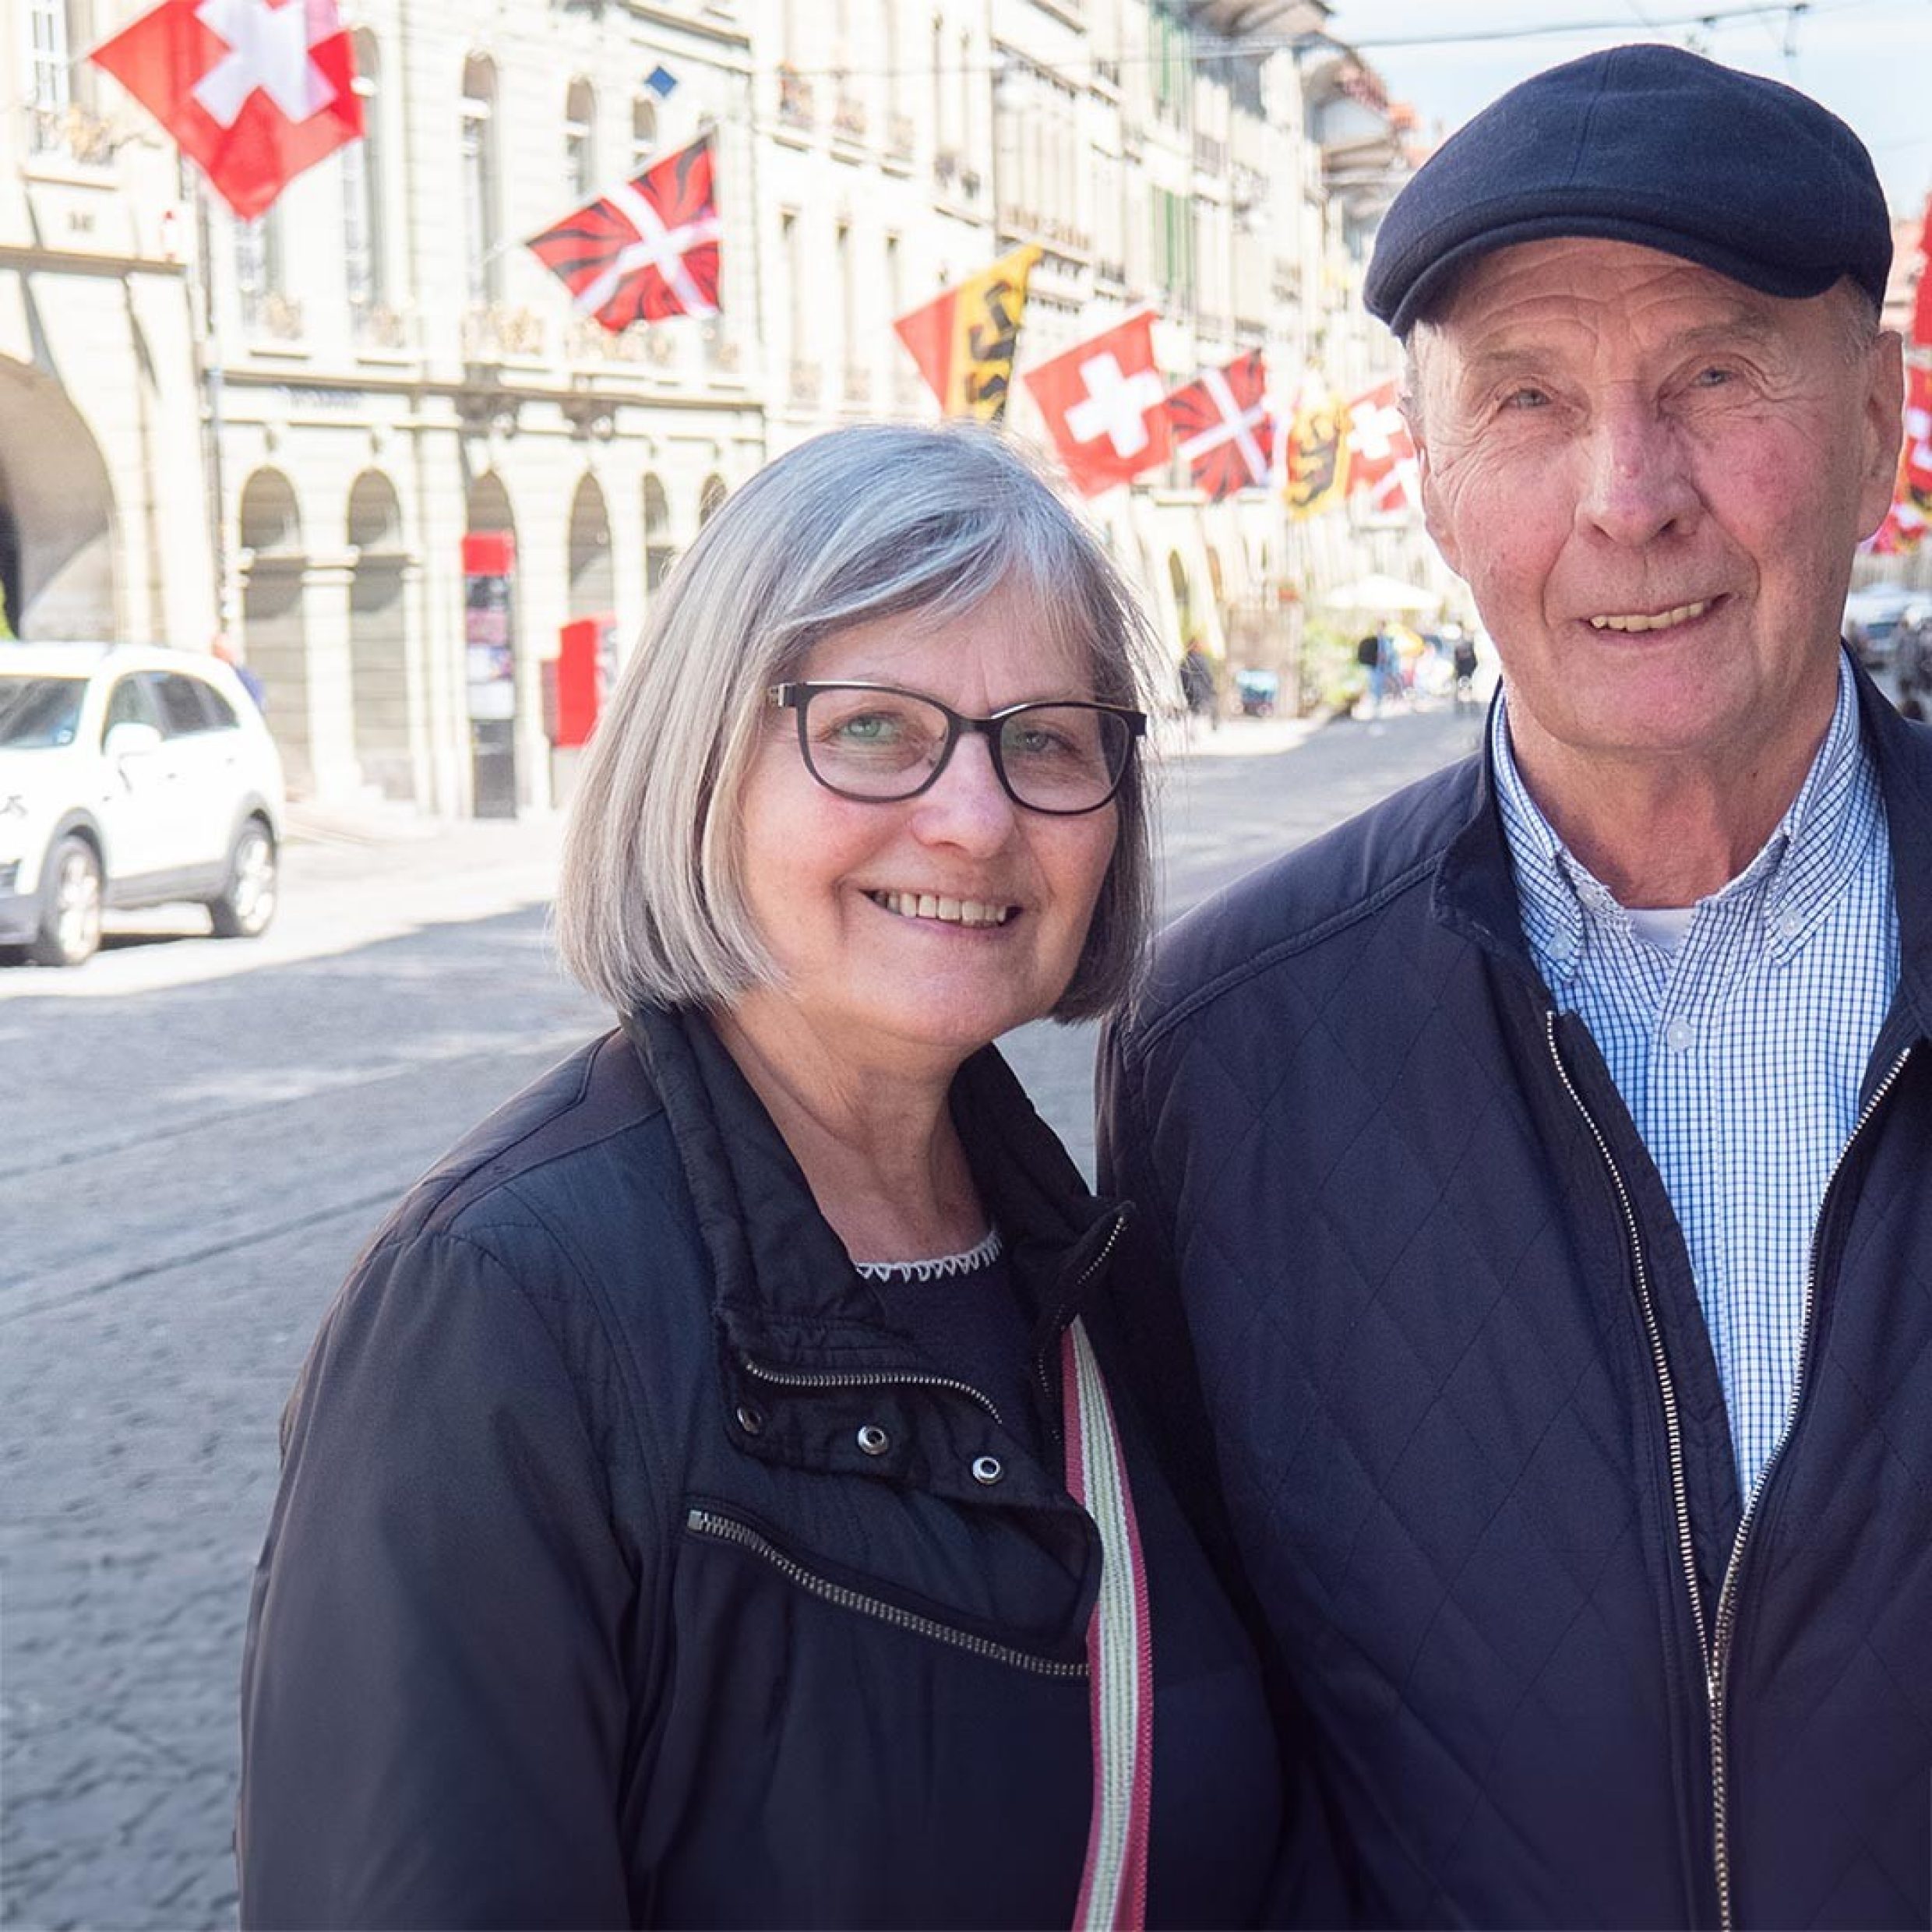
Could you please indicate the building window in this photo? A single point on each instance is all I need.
(258, 267)
(579, 142)
(644, 133)
(363, 192)
(59, 88)
(792, 252)
(483, 268)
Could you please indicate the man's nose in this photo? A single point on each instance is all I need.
(967, 805)
(1638, 484)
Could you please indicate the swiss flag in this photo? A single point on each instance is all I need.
(1222, 427)
(254, 90)
(1910, 520)
(1106, 406)
(1922, 306)
(646, 250)
(1382, 454)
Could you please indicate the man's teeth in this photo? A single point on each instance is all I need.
(1662, 620)
(926, 905)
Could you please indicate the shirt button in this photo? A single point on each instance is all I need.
(874, 1440)
(987, 1469)
(749, 1420)
(1680, 1035)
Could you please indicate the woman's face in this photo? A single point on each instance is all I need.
(911, 933)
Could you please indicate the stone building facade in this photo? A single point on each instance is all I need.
(284, 430)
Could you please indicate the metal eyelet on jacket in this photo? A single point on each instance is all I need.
(749, 1420)
(987, 1469)
(874, 1440)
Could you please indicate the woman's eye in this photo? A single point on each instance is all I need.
(867, 729)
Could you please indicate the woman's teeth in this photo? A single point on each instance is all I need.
(926, 905)
(1664, 620)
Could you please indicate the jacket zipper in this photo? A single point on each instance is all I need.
(1061, 1318)
(728, 1529)
(868, 1378)
(1726, 1620)
(1673, 1435)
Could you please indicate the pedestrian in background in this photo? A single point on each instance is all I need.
(1197, 682)
(696, 1506)
(1545, 1160)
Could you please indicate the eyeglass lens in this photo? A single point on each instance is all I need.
(886, 745)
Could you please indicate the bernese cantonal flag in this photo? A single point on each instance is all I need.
(1105, 405)
(646, 250)
(253, 91)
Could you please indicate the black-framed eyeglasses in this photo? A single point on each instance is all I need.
(875, 742)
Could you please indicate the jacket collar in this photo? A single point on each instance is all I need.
(785, 1288)
(1475, 891)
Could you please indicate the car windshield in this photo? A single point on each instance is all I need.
(39, 713)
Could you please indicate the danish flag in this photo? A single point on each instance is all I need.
(1382, 453)
(646, 250)
(1222, 426)
(1104, 406)
(254, 91)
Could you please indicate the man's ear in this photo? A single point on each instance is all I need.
(1436, 518)
(1882, 424)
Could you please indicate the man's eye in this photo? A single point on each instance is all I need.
(1529, 396)
(1712, 377)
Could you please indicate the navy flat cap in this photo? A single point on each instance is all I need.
(1650, 145)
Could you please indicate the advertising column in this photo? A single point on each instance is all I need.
(489, 561)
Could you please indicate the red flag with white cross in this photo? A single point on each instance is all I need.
(1221, 425)
(254, 91)
(648, 250)
(1909, 522)
(1381, 453)
(1106, 406)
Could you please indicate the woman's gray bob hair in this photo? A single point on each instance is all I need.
(875, 521)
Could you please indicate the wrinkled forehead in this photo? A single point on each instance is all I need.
(1584, 297)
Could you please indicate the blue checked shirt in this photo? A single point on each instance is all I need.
(1741, 1052)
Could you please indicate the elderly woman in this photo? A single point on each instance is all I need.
(706, 1504)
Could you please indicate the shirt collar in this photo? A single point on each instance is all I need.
(1800, 870)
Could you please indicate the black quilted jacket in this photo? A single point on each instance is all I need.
(631, 1568)
(1462, 1407)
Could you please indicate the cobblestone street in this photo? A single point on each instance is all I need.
(200, 1137)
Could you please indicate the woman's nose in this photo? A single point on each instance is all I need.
(967, 805)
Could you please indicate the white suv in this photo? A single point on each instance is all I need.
(130, 776)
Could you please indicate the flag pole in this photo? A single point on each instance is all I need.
(205, 332)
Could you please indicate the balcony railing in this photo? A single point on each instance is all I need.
(848, 118)
(495, 329)
(70, 131)
(376, 326)
(795, 109)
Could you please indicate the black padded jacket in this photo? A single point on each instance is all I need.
(1464, 1410)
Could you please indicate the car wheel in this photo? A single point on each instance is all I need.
(247, 902)
(70, 906)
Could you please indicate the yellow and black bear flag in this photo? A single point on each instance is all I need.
(963, 340)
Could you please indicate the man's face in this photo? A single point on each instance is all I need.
(1653, 479)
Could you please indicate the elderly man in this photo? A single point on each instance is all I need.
(1545, 1159)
